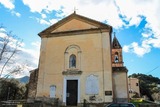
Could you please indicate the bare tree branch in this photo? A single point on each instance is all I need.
(9, 45)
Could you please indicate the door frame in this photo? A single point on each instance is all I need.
(65, 87)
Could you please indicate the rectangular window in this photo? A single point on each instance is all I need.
(52, 91)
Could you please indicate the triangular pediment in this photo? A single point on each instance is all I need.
(74, 22)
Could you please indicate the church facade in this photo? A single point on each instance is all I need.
(78, 61)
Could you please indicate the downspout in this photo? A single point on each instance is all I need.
(127, 86)
(102, 66)
(113, 93)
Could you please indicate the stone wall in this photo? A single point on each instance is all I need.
(32, 87)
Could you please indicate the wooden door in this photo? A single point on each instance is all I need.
(72, 92)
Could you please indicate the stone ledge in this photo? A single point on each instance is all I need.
(119, 69)
(72, 72)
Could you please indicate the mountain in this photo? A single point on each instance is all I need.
(24, 79)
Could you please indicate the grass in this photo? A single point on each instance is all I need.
(139, 101)
(136, 102)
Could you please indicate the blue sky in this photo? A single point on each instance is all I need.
(136, 23)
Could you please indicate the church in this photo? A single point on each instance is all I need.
(79, 61)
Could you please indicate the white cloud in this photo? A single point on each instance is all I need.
(126, 48)
(46, 22)
(100, 10)
(32, 54)
(35, 5)
(135, 48)
(135, 21)
(42, 21)
(25, 58)
(16, 13)
(13, 41)
(155, 42)
(147, 33)
(103, 11)
(43, 16)
(2, 29)
(45, 5)
(113, 12)
(117, 13)
(151, 32)
(53, 21)
(2, 33)
(8, 4)
(37, 44)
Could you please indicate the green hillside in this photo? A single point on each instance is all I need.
(148, 85)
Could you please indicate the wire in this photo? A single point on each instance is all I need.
(152, 70)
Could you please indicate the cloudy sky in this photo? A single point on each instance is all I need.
(135, 22)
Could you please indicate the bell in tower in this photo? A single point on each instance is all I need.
(117, 60)
(116, 57)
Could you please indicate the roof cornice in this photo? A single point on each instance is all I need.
(74, 16)
(75, 32)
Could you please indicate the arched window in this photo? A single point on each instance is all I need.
(116, 59)
(72, 61)
(72, 57)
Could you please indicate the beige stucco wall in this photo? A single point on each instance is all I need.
(133, 86)
(120, 86)
(95, 59)
(76, 25)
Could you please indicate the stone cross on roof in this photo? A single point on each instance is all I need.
(75, 10)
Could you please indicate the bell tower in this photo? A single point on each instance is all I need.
(117, 59)
(119, 72)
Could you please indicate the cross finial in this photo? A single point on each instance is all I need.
(75, 10)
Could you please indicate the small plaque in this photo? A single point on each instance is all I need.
(108, 93)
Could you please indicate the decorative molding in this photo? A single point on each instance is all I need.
(72, 71)
(65, 87)
(73, 46)
(67, 53)
(52, 91)
(75, 32)
(119, 69)
(48, 31)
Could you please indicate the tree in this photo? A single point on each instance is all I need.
(12, 89)
(9, 45)
(148, 85)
